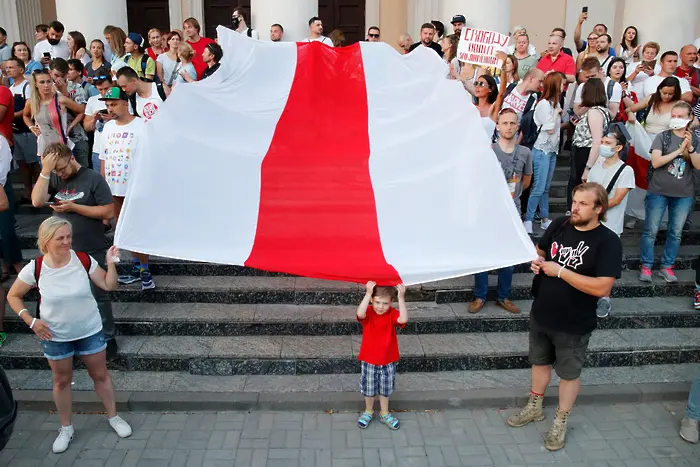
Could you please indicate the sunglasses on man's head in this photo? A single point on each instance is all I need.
(373, 35)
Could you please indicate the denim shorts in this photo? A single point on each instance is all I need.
(377, 379)
(86, 346)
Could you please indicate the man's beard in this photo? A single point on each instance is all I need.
(580, 221)
(54, 41)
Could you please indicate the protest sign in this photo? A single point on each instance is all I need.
(479, 46)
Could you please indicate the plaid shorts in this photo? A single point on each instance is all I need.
(378, 379)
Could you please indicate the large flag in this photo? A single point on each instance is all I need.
(353, 163)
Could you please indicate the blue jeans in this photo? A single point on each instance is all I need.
(96, 162)
(655, 206)
(505, 281)
(693, 409)
(543, 164)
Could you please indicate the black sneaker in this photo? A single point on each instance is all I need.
(147, 281)
(133, 276)
(112, 349)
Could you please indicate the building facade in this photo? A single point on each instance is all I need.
(674, 25)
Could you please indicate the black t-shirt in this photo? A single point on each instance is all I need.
(433, 45)
(88, 188)
(594, 253)
(210, 70)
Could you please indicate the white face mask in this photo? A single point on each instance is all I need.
(607, 151)
(678, 123)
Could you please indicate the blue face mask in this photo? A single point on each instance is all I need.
(607, 151)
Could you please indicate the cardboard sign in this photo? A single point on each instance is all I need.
(479, 46)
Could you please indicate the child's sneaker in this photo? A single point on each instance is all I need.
(147, 280)
(390, 421)
(365, 419)
(696, 303)
(133, 276)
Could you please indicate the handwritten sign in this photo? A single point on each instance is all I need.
(479, 46)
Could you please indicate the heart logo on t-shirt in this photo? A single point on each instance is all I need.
(554, 250)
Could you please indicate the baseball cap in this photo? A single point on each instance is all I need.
(458, 19)
(136, 38)
(115, 94)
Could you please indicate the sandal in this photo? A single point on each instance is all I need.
(365, 419)
(390, 421)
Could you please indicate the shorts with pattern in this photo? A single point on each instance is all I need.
(378, 379)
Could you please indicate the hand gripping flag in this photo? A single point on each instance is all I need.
(352, 164)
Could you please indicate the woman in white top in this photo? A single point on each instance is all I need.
(517, 32)
(167, 63)
(544, 152)
(70, 323)
(116, 39)
(449, 49)
(645, 69)
(78, 46)
(629, 45)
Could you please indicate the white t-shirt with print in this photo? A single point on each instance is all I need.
(653, 82)
(118, 143)
(516, 101)
(148, 107)
(615, 217)
(616, 93)
(94, 105)
(67, 305)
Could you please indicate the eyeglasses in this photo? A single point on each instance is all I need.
(373, 35)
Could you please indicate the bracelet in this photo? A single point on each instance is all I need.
(31, 326)
(44, 176)
(559, 273)
(22, 311)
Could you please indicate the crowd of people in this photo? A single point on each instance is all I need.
(73, 111)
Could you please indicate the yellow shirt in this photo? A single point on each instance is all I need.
(135, 64)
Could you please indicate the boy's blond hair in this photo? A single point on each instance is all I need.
(389, 292)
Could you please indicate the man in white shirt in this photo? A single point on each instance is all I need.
(316, 32)
(669, 63)
(590, 68)
(53, 47)
(239, 21)
(603, 50)
(518, 97)
(144, 98)
(96, 116)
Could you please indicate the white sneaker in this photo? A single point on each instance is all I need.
(65, 436)
(545, 225)
(120, 426)
(528, 226)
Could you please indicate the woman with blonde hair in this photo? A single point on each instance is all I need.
(116, 38)
(186, 72)
(155, 43)
(68, 322)
(47, 113)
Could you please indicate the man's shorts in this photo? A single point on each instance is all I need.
(86, 346)
(378, 379)
(567, 352)
(25, 149)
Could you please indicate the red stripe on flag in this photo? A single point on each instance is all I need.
(317, 214)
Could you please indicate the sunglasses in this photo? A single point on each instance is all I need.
(373, 35)
(481, 84)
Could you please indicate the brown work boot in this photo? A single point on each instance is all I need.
(508, 306)
(476, 305)
(532, 412)
(557, 433)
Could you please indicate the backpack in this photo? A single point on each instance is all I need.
(613, 180)
(84, 260)
(8, 410)
(132, 98)
(249, 33)
(611, 88)
(144, 64)
(665, 146)
(20, 101)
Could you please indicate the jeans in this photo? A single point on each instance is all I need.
(81, 152)
(693, 409)
(10, 249)
(543, 165)
(505, 281)
(579, 158)
(678, 210)
(95, 160)
(104, 304)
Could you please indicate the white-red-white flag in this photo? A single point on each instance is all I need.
(352, 163)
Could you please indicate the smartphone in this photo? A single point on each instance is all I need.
(572, 115)
(49, 203)
(104, 112)
(649, 65)
(584, 9)
(47, 54)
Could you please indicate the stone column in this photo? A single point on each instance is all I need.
(91, 16)
(672, 25)
(292, 15)
(10, 20)
(492, 14)
(393, 19)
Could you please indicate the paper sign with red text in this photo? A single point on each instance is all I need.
(479, 46)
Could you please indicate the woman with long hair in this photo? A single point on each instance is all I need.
(337, 37)
(47, 113)
(485, 95)
(617, 72)
(116, 37)
(21, 50)
(70, 322)
(544, 153)
(168, 62)
(629, 45)
(590, 51)
(155, 43)
(449, 50)
(98, 66)
(77, 46)
(510, 70)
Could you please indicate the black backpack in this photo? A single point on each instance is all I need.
(8, 410)
(528, 128)
(132, 98)
(144, 64)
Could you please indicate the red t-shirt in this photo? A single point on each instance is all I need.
(197, 60)
(563, 63)
(7, 100)
(379, 343)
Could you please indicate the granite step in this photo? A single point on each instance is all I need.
(298, 355)
(215, 319)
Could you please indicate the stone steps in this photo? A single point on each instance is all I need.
(214, 319)
(299, 355)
